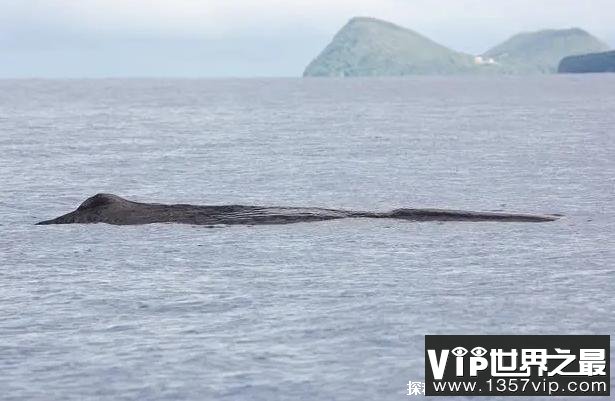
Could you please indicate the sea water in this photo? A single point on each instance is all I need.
(331, 310)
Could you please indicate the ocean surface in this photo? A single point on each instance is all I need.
(313, 311)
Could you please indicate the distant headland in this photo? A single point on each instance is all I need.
(371, 47)
(588, 63)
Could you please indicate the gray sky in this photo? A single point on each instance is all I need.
(98, 38)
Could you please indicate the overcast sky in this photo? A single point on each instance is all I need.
(97, 38)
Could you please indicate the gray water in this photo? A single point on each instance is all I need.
(314, 311)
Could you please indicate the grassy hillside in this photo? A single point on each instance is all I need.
(371, 47)
(541, 52)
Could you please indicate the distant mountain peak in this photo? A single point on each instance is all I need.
(541, 51)
(367, 46)
(360, 19)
